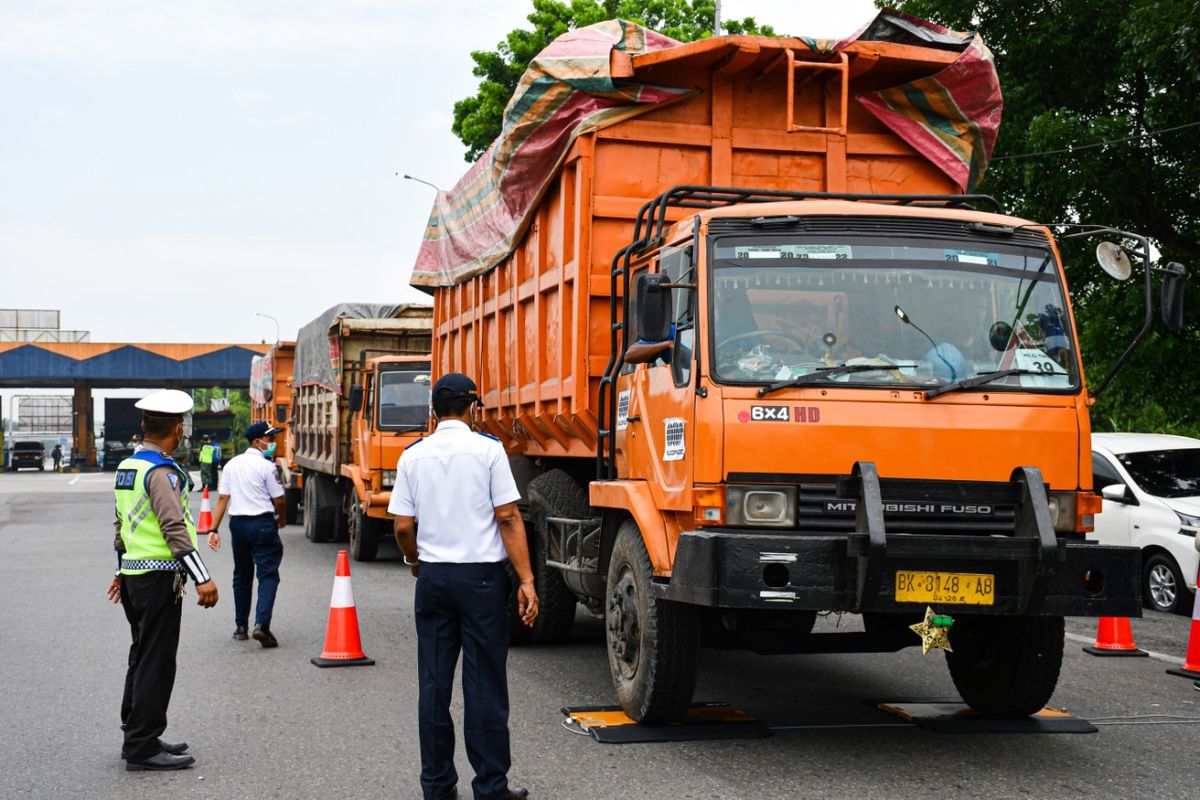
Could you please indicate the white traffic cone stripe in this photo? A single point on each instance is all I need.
(343, 593)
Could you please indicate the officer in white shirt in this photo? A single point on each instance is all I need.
(458, 486)
(251, 492)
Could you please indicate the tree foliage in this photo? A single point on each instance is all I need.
(478, 118)
(1075, 74)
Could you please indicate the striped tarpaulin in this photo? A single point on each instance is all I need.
(951, 117)
(567, 91)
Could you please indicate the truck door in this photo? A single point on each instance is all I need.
(661, 400)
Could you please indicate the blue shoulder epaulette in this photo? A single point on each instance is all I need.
(488, 435)
(417, 442)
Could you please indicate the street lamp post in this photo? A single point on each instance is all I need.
(268, 316)
(419, 180)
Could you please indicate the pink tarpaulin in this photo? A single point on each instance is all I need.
(951, 117)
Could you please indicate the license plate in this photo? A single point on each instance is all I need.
(963, 588)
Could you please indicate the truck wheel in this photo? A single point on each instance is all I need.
(314, 531)
(1006, 666)
(292, 497)
(1163, 587)
(652, 644)
(552, 494)
(364, 535)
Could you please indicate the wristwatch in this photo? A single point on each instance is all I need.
(408, 563)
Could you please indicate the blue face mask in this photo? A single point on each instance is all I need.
(270, 451)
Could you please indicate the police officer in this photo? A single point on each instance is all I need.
(457, 484)
(206, 464)
(251, 492)
(156, 552)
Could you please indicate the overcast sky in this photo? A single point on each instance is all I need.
(171, 167)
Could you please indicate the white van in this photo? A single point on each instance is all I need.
(1150, 483)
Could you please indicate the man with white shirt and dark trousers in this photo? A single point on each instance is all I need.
(250, 491)
(456, 485)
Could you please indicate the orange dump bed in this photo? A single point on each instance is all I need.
(535, 330)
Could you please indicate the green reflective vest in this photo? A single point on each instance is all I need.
(206, 454)
(140, 530)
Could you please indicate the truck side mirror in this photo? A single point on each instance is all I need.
(1172, 297)
(653, 308)
(356, 397)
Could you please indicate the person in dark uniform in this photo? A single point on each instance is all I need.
(458, 486)
(156, 552)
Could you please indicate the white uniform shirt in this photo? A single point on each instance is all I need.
(251, 482)
(451, 482)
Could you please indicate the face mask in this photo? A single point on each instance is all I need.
(270, 451)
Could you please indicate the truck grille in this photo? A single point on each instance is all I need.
(820, 509)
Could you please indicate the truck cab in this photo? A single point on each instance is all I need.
(389, 410)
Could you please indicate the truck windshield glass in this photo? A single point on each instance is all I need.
(1165, 473)
(783, 307)
(403, 399)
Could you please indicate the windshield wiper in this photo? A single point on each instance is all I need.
(980, 380)
(841, 369)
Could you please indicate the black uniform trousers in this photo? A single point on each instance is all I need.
(463, 607)
(154, 610)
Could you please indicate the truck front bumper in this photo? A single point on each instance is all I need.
(1035, 572)
(760, 569)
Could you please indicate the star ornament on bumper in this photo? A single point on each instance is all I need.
(934, 631)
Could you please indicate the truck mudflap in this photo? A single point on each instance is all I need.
(1033, 571)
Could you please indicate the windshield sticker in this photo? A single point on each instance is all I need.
(623, 410)
(797, 251)
(673, 447)
(972, 257)
(1036, 360)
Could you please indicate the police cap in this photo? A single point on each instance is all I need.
(455, 386)
(260, 430)
(165, 403)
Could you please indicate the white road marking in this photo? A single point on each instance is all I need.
(74, 480)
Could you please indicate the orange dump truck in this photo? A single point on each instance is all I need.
(754, 356)
(271, 402)
(360, 395)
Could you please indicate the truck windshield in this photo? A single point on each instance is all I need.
(785, 306)
(403, 399)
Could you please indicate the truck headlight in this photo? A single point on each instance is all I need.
(1062, 511)
(765, 506)
(389, 477)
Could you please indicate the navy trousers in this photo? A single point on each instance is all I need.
(154, 610)
(463, 607)
(256, 545)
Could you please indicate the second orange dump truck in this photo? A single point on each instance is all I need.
(755, 357)
(360, 395)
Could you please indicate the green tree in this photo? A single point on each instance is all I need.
(1101, 126)
(478, 119)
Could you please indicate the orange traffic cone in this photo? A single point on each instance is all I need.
(1191, 661)
(342, 645)
(204, 524)
(1114, 637)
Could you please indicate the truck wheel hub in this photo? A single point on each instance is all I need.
(623, 628)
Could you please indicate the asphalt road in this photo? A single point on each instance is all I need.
(267, 724)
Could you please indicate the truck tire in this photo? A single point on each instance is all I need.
(364, 534)
(552, 494)
(652, 644)
(292, 497)
(314, 530)
(1006, 666)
